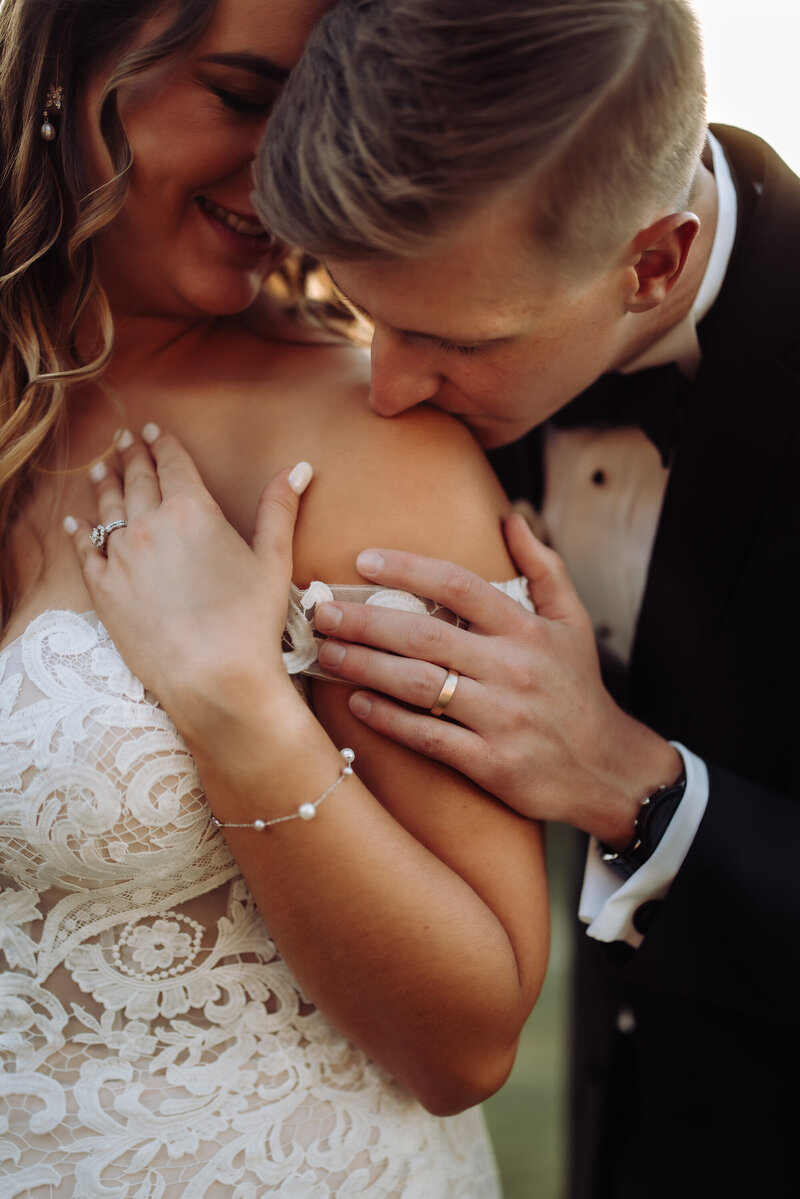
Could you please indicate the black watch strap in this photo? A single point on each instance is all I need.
(651, 823)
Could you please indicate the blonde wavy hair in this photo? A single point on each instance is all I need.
(49, 217)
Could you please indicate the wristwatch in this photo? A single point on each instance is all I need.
(651, 823)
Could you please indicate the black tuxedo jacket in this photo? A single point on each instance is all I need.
(701, 1097)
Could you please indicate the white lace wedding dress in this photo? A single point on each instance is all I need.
(153, 1045)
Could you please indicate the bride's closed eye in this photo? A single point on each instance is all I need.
(259, 106)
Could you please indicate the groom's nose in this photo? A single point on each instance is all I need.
(401, 377)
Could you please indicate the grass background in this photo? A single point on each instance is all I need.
(527, 1118)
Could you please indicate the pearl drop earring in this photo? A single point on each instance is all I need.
(53, 100)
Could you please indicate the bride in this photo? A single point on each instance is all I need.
(203, 994)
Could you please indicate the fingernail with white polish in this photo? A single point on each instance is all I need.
(370, 562)
(150, 433)
(327, 617)
(70, 525)
(360, 704)
(98, 472)
(330, 653)
(125, 440)
(300, 477)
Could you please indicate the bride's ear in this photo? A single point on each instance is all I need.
(658, 256)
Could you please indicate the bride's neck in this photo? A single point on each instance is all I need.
(144, 342)
(152, 356)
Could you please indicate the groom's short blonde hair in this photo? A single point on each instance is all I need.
(403, 115)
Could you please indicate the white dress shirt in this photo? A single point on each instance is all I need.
(601, 508)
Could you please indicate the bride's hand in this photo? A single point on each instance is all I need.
(195, 611)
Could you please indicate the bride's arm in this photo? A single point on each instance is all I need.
(413, 908)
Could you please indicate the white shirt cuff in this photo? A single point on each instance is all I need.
(607, 903)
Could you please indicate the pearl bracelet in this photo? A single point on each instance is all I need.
(306, 811)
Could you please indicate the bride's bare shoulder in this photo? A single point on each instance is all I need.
(417, 481)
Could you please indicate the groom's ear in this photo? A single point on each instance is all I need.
(657, 257)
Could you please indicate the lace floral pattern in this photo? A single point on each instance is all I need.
(153, 1043)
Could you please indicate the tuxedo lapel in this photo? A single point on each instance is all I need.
(720, 480)
(520, 467)
(743, 408)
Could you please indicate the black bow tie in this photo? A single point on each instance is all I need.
(650, 400)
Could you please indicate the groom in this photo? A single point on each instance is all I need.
(525, 201)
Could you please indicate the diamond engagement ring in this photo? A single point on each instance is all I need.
(99, 534)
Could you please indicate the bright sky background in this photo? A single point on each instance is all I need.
(753, 60)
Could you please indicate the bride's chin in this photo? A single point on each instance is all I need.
(220, 292)
(234, 292)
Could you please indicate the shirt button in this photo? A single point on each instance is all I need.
(599, 478)
(626, 1021)
(643, 916)
(603, 632)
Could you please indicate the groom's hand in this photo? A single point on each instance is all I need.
(530, 720)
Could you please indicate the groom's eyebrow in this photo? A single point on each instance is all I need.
(255, 63)
(483, 341)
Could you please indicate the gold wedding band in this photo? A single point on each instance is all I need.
(446, 694)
